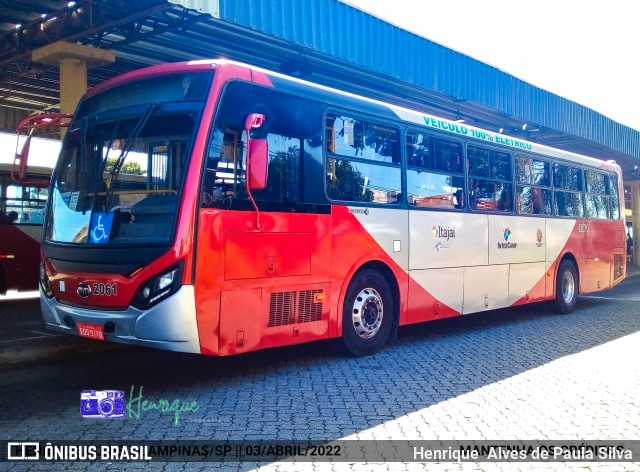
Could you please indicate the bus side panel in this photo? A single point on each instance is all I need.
(426, 305)
(362, 235)
(441, 245)
(445, 239)
(19, 256)
(246, 304)
(602, 240)
(520, 243)
(256, 318)
(527, 283)
(516, 240)
(435, 293)
(209, 266)
(485, 288)
(257, 289)
(563, 236)
(236, 335)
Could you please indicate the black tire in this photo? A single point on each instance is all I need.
(566, 287)
(367, 316)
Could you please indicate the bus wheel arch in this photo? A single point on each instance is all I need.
(370, 309)
(567, 285)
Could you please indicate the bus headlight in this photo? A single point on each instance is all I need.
(44, 282)
(158, 287)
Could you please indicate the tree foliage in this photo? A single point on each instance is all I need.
(346, 182)
(128, 167)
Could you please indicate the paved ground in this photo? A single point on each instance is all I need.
(511, 374)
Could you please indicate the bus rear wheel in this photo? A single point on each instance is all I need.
(367, 316)
(566, 287)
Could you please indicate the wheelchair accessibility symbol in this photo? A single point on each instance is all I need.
(100, 227)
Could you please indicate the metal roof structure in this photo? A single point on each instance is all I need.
(324, 41)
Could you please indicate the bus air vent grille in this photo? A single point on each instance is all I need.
(308, 308)
(282, 309)
(287, 307)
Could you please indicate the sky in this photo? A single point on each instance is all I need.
(585, 51)
(42, 152)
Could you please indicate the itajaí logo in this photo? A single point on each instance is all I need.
(447, 233)
(506, 245)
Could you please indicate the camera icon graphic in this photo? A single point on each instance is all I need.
(102, 403)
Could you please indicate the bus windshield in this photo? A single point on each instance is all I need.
(122, 163)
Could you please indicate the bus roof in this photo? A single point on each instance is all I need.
(408, 115)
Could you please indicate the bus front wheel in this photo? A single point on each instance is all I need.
(566, 287)
(367, 315)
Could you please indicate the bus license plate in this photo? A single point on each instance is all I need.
(91, 331)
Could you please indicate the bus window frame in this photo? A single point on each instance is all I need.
(609, 192)
(407, 167)
(549, 187)
(606, 195)
(482, 145)
(401, 164)
(562, 189)
(40, 183)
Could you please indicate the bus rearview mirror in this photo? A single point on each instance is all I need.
(258, 164)
(253, 120)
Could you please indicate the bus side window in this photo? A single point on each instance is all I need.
(568, 186)
(459, 198)
(490, 180)
(9, 218)
(533, 191)
(364, 165)
(615, 198)
(504, 203)
(435, 172)
(293, 130)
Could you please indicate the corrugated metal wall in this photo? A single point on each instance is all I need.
(9, 117)
(336, 29)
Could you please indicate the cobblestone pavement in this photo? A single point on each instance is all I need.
(511, 374)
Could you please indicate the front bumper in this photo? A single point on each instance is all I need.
(169, 325)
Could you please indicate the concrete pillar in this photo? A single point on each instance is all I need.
(73, 60)
(73, 83)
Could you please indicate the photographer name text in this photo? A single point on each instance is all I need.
(523, 453)
(136, 405)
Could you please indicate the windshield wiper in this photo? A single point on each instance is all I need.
(115, 172)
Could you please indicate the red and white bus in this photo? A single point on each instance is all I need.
(357, 216)
(22, 204)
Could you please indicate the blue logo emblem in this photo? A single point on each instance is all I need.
(102, 403)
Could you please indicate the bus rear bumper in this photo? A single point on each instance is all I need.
(170, 325)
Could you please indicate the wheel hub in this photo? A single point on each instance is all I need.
(367, 313)
(568, 287)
